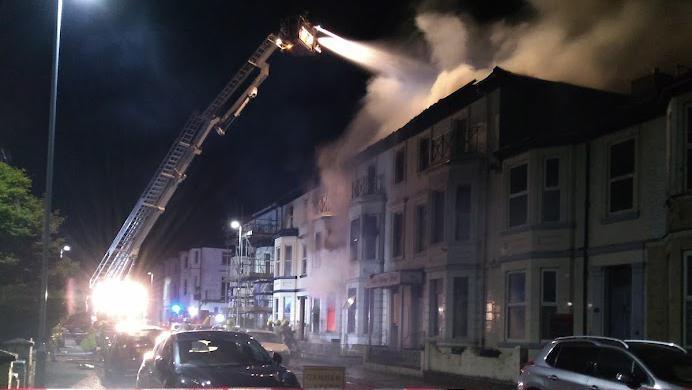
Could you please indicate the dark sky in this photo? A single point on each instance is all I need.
(132, 71)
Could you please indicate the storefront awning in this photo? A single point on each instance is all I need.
(395, 278)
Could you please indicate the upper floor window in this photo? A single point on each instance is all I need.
(186, 262)
(462, 216)
(687, 294)
(226, 258)
(621, 176)
(397, 234)
(400, 165)
(438, 217)
(304, 262)
(288, 260)
(370, 234)
(355, 237)
(423, 153)
(518, 195)
(318, 241)
(289, 217)
(421, 218)
(688, 149)
(196, 257)
(551, 190)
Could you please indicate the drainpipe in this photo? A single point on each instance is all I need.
(585, 246)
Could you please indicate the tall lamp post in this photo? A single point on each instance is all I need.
(40, 379)
(235, 225)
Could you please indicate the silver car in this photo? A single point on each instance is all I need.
(586, 362)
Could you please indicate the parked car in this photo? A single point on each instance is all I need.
(119, 359)
(272, 342)
(212, 358)
(581, 362)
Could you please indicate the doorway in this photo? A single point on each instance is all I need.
(618, 301)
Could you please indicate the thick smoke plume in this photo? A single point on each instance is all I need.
(595, 43)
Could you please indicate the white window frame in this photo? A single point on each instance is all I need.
(516, 304)
(511, 196)
(632, 175)
(545, 303)
(687, 299)
(547, 188)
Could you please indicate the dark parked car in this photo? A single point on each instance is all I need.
(119, 359)
(583, 362)
(209, 358)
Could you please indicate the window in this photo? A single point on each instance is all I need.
(438, 217)
(461, 307)
(278, 262)
(351, 302)
(518, 195)
(551, 190)
(437, 307)
(318, 241)
(196, 257)
(621, 176)
(400, 165)
(184, 286)
(688, 157)
(187, 263)
(397, 234)
(304, 262)
(460, 128)
(423, 154)
(224, 289)
(420, 228)
(276, 308)
(288, 304)
(612, 362)
(289, 217)
(462, 216)
(315, 315)
(288, 261)
(225, 258)
(548, 302)
(355, 236)
(370, 234)
(267, 263)
(577, 357)
(688, 298)
(516, 305)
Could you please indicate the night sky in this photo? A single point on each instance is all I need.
(131, 72)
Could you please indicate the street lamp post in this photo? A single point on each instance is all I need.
(65, 248)
(40, 379)
(237, 226)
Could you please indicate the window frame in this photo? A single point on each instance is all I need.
(400, 152)
(304, 260)
(420, 242)
(398, 250)
(424, 164)
(610, 180)
(509, 304)
(548, 188)
(523, 193)
(288, 260)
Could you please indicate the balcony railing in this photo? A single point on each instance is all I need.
(367, 185)
(456, 143)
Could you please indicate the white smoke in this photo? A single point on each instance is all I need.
(595, 43)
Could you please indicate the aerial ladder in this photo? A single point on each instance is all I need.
(219, 115)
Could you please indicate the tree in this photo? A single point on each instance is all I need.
(21, 219)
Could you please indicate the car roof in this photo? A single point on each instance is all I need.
(259, 331)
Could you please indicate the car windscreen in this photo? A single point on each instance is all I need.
(266, 337)
(219, 351)
(666, 363)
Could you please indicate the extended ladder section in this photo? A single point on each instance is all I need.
(121, 255)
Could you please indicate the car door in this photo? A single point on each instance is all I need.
(611, 362)
(162, 365)
(573, 366)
